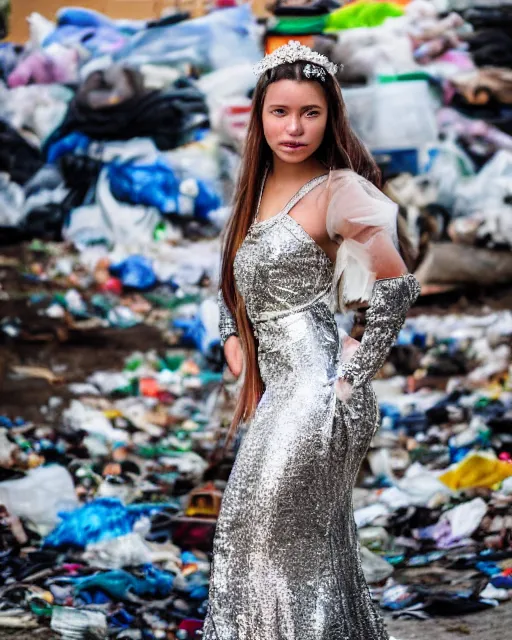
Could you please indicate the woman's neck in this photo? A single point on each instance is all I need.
(301, 172)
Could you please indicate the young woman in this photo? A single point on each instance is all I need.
(310, 234)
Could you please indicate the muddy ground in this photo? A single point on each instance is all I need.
(493, 624)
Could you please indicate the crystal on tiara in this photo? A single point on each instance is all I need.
(313, 71)
(292, 52)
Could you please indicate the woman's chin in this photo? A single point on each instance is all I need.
(292, 158)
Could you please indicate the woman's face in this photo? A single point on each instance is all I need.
(294, 119)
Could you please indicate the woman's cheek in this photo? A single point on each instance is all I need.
(319, 131)
(272, 133)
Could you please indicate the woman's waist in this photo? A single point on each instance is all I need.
(311, 329)
(277, 313)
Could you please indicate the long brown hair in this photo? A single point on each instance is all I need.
(340, 149)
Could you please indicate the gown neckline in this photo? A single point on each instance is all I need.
(298, 195)
(257, 226)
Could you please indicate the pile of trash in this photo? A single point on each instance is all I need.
(107, 138)
(435, 510)
(121, 143)
(94, 110)
(110, 499)
(435, 68)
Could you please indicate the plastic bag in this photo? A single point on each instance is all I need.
(488, 189)
(219, 39)
(155, 184)
(450, 172)
(143, 183)
(99, 520)
(201, 330)
(40, 28)
(393, 115)
(476, 470)
(136, 272)
(79, 623)
(40, 496)
(229, 82)
(12, 200)
(109, 221)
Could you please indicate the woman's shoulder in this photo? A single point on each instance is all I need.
(340, 177)
(343, 173)
(347, 183)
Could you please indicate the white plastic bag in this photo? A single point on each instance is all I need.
(394, 115)
(40, 496)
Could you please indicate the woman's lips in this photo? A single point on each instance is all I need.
(292, 146)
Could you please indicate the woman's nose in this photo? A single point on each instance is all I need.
(295, 126)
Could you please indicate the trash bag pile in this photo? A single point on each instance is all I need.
(109, 500)
(121, 143)
(94, 110)
(427, 87)
(106, 134)
(434, 510)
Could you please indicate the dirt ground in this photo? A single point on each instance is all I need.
(493, 624)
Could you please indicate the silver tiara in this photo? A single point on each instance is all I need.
(292, 52)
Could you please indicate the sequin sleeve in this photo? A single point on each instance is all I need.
(357, 211)
(389, 303)
(227, 324)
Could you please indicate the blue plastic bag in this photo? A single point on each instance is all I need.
(102, 519)
(74, 143)
(155, 184)
(97, 40)
(80, 17)
(136, 272)
(120, 584)
(151, 184)
(194, 332)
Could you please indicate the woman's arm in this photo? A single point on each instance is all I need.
(229, 338)
(390, 301)
(359, 218)
(227, 324)
(369, 269)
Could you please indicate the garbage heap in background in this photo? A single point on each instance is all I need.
(120, 147)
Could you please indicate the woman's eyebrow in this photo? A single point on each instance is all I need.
(304, 108)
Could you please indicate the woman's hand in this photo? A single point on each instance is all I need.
(343, 389)
(348, 348)
(234, 355)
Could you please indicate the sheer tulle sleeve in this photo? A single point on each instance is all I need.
(363, 221)
(369, 268)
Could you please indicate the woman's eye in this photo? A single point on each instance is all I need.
(312, 114)
(278, 112)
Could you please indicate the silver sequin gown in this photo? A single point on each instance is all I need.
(286, 563)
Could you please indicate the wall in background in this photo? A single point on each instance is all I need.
(134, 9)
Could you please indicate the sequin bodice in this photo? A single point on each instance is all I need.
(279, 268)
